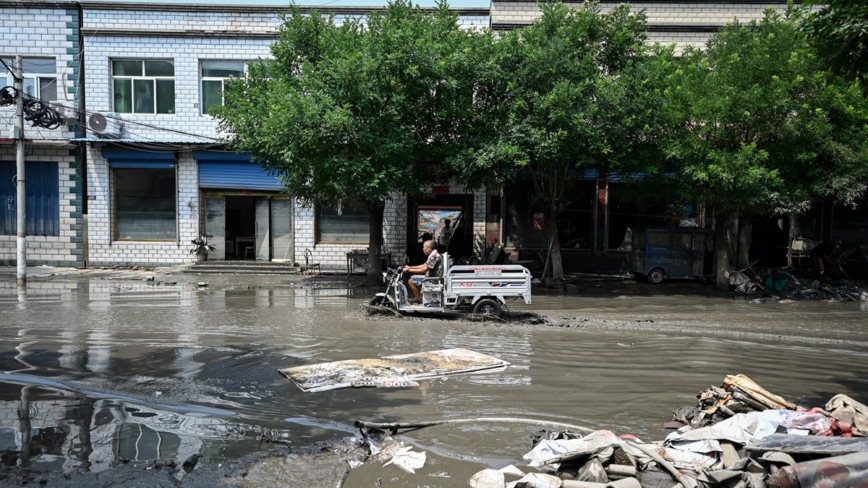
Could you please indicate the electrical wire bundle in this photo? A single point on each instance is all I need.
(37, 112)
(40, 114)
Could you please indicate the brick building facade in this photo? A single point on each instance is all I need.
(47, 38)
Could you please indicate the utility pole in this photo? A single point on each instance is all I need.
(19, 172)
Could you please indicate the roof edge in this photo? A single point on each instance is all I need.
(201, 7)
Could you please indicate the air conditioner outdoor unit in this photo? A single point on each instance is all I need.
(65, 109)
(106, 124)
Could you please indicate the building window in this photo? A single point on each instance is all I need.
(42, 208)
(344, 225)
(144, 204)
(143, 87)
(40, 77)
(215, 74)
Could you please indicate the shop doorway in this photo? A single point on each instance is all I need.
(240, 228)
(249, 227)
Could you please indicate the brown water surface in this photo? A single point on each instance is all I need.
(169, 371)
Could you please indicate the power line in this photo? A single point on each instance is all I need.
(55, 105)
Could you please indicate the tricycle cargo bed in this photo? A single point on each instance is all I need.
(502, 281)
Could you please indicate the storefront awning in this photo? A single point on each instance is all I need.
(130, 158)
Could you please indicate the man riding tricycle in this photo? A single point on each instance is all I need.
(437, 286)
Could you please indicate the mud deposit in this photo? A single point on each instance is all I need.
(142, 384)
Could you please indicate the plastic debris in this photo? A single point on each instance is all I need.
(407, 459)
(487, 478)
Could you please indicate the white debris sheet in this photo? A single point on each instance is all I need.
(408, 459)
(391, 371)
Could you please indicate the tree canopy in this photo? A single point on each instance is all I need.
(568, 93)
(354, 112)
(839, 32)
(760, 127)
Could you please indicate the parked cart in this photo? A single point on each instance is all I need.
(681, 252)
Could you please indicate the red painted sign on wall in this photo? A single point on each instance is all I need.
(539, 220)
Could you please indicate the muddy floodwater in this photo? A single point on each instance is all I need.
(104, 374)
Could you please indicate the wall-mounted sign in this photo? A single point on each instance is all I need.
(539, 220)
(438, 223)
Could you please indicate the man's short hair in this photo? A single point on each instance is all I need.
(429, 244)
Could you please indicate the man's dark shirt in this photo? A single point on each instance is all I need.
(822, 250)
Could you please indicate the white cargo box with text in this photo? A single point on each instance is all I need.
(478, 281)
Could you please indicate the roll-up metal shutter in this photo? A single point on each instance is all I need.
(234, 172)
(128, 158)
(42, 199)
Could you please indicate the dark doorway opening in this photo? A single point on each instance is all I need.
(240, 228)
(460, 245)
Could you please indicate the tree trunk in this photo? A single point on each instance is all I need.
(721, 251)
(555, 258)
(375, 242)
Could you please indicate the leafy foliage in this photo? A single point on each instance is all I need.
(573, 91)
(759, 127)
(356, 111)
(201, 245)
(353, 113)
(839, 31)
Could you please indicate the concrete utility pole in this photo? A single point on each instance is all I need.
(19, 173)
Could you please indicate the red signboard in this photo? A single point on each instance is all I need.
(539, 220)
(440, 190)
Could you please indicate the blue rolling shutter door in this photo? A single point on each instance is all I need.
(7, 199)
(42, 197)
(232, 171)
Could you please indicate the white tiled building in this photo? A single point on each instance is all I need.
(157, 179)
(46, 37)
(688, 23)
(135, 187)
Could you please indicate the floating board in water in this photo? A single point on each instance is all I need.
(391, 371)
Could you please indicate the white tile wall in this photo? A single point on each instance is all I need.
(657, 13)
(105, 251)
(333, 256)
(41, 33)
(187, 124)
(187, 53)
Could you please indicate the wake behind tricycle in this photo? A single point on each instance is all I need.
(482, 289)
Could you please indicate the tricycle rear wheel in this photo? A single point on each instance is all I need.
(487, 306)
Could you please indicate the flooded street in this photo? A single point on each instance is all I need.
(118, 373)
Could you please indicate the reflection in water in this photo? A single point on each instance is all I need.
(59, 432)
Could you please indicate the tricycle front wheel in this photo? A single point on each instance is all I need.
(487, 306)
(379, 301)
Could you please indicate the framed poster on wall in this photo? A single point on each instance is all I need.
(431, 221)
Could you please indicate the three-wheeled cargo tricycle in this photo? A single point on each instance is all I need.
(478, 288)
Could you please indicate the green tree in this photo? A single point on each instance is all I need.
(839, 33)
(570, 92)
(759, 127)
(355, 113)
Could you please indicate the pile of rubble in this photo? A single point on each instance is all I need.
(781, 284)
(738, 435)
